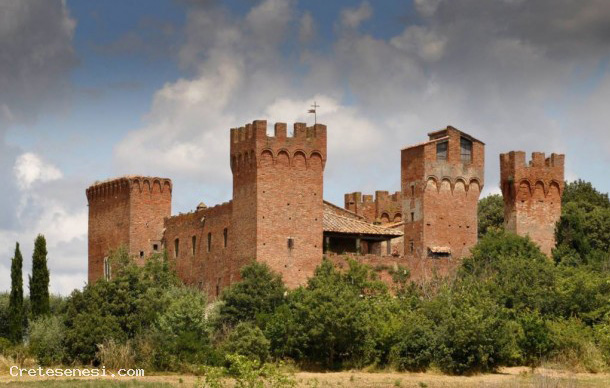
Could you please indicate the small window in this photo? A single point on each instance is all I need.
(441, 150)
(194, 244)
(412, 191)
(411, 246)
(466, 149)
(156, 247)
(176, 247)
(225, 237)
(141, 253)
(412, 216)
(290, 243)
(210, 242)
(106, 268)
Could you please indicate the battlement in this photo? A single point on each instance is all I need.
(125, 184)
(380, 196)
(254, 137)
(515, 160)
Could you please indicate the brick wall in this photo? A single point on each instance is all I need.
(278, 195)
(382, 208)
(440, 195)
(127, 211)
(532, 195)
(208, 267)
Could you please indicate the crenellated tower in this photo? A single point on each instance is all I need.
(441, 181)
(382, 208)
(532, 195)
(126, 211)
(278, 197)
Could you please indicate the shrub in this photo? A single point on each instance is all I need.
(414, 349)
(46, 339)
(115, 355)
(248, 340)
(574, 345)
(259, 293)
(535, 339)
(182, 330)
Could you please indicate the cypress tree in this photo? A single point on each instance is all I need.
(16, 298)
(39, 281)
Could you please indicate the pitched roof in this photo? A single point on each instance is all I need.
(336, 223)
(328, 206)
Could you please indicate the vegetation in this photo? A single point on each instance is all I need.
(508, 304)
(16, 313)
(39, 281)
(490, 214)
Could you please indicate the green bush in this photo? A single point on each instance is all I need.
(258, 294)
(413, 350)
(574, 345)
(47, 339)
(248, 340)
(182, 331)
(535, 338)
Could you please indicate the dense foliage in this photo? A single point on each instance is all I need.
(16, 313)
(508, 304)
(39, 281)
(490, 213)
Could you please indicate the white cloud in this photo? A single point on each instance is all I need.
(29, 168)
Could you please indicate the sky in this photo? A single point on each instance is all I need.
(93, 90)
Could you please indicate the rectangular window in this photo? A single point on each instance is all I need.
(209, 241)
(176, 247)
(290, 243)
(441, 150)
(194, 243)
(412, 191)
(225, 237)
(411, 246)
(412, 216)
(156, 247)
(466, 149)
(141, 253)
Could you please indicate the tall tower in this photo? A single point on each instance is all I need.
(126, 211)
(532, 195)
(441, 181)
(278, 197)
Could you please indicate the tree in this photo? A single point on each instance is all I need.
(16, 312)
(260, 292)
(39, 281)
(490, 213)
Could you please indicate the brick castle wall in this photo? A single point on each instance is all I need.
(127, 211)
(382, 208)
(278, 195)
(440, 195)
(532, 195)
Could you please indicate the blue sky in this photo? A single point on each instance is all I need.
(91, 90)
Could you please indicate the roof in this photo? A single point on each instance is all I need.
(427, 142)
(336, 223)
(455, 129)
(342, 211)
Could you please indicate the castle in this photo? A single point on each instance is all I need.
(277, 214)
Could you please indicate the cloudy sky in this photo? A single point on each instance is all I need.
(91, 90)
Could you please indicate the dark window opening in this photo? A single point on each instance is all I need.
(155, 247)
(176, 247)
(194, 244)
(441, 150)
(412, 216)
(210, 242)
(411, 246)
(412, 191)
(290, 243)
(141, 253)
(466, 149)
(225, 237)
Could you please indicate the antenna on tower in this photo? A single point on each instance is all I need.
(315, 106)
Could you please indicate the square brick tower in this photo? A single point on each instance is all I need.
(532, 195)
(278, 197)
(126, 211)
(441, 181)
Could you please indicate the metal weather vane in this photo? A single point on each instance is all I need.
(315, 106)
